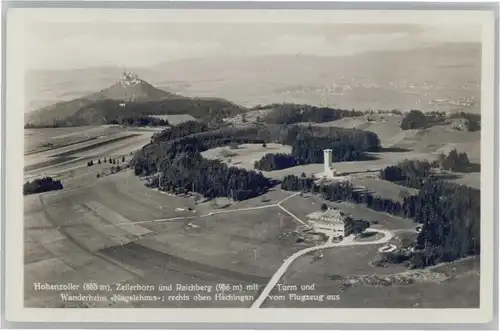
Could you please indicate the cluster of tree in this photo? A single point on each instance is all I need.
(414, 173)
(381, 111)
(138, 121)
(454, 161)
(357, 226)
(451, 218)
(54, 124)
(302, 183)
(295, 113)
(410, 173)
(310, 149)
(104, 160)
(42, 185)
(180, 130)
(270, 162)
(416, 119)
(307, 147)
(347, 143)
(436, 114)
(115, 169)
(449, 213)
(473, 122)
(190, 172)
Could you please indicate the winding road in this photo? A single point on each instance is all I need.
(348, 241)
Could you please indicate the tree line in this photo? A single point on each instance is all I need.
(307, 143)
(410, 173)
(190, 172)
(180, 130)
(104, 160)
(414, 173)
(454, 161)
(417, 119)
(270, 162)
(308, 147)
(450, 214)
(295, 113)
(97, 112)
(473, 121)
(138, 121)
(40, 185)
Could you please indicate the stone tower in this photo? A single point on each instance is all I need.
(327, 161)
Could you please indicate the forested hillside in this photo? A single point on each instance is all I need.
(114, 111)
(414, 173)
(293, 113)
(308, 143)
(450, 215)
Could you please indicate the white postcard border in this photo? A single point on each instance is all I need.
(13, 226)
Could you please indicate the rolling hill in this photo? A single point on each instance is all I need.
(129, 97)
(443, 77)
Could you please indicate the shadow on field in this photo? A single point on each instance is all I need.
(147, 259)
(394, 150)
(448, 176)
(367, 157)
(473, 167)
(49, 162)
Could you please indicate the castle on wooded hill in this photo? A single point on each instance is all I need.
(129, 78)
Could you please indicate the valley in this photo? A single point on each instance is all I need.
(115, 230)
(260, 181)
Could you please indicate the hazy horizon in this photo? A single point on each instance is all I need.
(66, 46)
(66, 60)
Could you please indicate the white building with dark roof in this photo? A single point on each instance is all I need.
(330, 222)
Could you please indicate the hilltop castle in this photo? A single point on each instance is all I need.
(129, 78)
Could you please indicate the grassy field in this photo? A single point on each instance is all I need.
(452, 285)
(37, 140)
(436, 139)
(107, 232)
(116, 145)
(113, 229)
(175, 119)
(471, 179)
(383, 188)
(245, 155)
(386, 126)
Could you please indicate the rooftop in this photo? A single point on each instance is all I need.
(330, 215)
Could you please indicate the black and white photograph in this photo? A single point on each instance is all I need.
(183, 159)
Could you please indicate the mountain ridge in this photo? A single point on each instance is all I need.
(385, 79)
(128, 98)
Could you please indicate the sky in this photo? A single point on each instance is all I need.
(71, 45)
